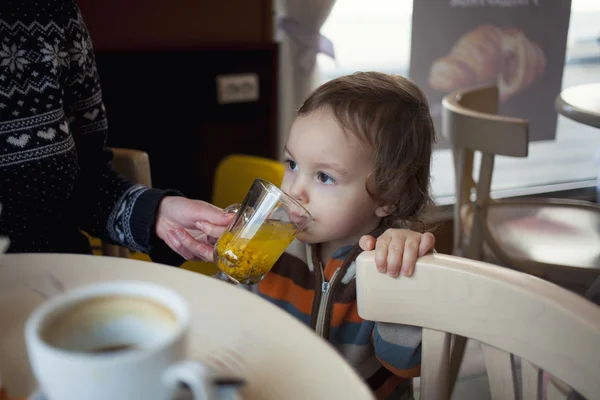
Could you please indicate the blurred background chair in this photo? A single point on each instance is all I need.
(525, 325)
(555, 239)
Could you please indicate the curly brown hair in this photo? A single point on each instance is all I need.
(389, 114)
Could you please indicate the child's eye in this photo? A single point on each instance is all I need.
(291, 164)
(325, 179)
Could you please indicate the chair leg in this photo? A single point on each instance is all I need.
(435, 384)
(459, 343)
(112, 250)
(123, 252)
(109, 250)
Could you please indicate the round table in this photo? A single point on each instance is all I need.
(232, 328)
(581, 103)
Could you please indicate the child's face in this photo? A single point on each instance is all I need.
(327, 171)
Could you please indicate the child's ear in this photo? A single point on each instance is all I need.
(383, 211)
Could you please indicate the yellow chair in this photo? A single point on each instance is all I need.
(233, 177)
(235, 174)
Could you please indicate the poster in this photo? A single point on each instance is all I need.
(519, 45)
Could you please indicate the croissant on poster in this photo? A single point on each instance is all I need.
(490, 54)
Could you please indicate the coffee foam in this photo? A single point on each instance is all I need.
(108, 321)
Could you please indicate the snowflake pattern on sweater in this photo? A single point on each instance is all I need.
(55, 173)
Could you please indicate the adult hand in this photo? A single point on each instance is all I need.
(190, 227)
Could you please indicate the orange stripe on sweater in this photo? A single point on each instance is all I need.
(281, 288)
(332, 266)
(345, 312)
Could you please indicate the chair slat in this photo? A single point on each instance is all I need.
(531, 381)
(435, 382)
(501, 373)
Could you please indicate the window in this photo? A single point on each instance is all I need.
(376, 36)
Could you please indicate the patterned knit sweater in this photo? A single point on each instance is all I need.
(386, 355)
(55, 174)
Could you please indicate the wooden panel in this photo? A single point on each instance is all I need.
(168, 24)
(165, 104)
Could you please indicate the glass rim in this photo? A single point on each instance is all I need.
(271, 186)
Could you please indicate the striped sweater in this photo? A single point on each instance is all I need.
(324, 298)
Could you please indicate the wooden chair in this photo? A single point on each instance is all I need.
(551, 238)
(509, 312)
(233, 177)
(134, 165)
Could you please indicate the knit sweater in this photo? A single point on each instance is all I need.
(324, 298)
(55, 172)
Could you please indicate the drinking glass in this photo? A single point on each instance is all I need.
(266, 222)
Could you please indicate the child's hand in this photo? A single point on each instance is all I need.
(397, 250)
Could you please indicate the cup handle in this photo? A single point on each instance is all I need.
(232, 209)
(195, 375)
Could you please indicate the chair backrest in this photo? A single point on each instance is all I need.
(470, 123)
(509, 312)
(134, 165)
(235, 173)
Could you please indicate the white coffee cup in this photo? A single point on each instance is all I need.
(114, 340)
